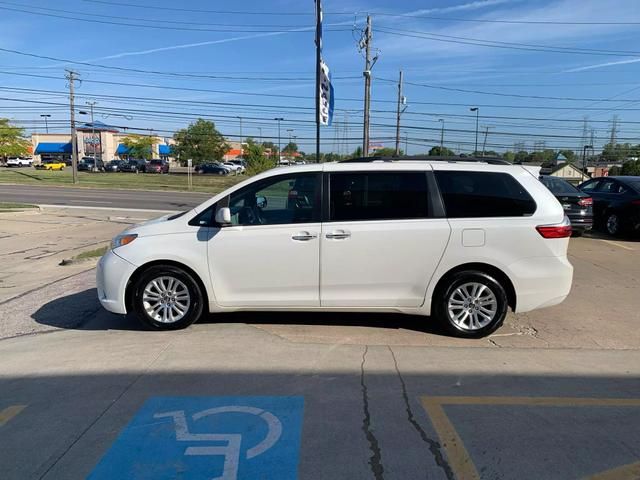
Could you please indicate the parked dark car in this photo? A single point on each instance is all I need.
(158, 166)
(134, 166)
(113, 165)
(578, 206)
(616, 203)
(211, 168)
(90, 164)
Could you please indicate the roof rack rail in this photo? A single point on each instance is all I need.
(426, 158)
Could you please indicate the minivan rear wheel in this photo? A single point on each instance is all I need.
(472, 305)
(167, 298)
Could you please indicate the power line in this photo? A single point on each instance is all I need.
(513, 95)
(373, 13)
(506, 45)
(163, 27)
(484, 20)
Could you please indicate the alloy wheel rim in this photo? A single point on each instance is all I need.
(612, 223)
(472, 306)
(166, 299)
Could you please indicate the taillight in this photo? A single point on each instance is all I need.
(559, 230)
(635, 202)
(586, 202)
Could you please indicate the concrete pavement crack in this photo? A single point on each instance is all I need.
(434, 446)
(375, 461)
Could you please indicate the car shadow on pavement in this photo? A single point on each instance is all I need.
(82, 311)
(390, 321)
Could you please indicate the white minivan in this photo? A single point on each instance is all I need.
(461, 241)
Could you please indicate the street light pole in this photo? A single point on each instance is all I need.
(46, 125)
(477, 110)
(279, 119)
(241, 149)
(584, 158)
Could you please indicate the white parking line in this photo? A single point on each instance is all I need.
(618, 245)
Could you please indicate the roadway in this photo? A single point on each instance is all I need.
(101, 198)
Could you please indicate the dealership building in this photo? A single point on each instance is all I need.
(94, 140)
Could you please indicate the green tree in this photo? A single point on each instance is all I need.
(570, 155)
(509, 156)
(441, 152)
(357, 153)
(631, 167)
(272, 147)
(521, 156)
(201, 142)
(290, 148)
(255, 158)
(12, 143)
(618, 152)
(139, 146)
(615, 170)
(386, 152)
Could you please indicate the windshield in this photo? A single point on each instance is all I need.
(156, 162)
(559, 186)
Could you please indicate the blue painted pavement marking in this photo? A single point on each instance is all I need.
(212, 438)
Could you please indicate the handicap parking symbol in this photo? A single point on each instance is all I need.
(208, 438)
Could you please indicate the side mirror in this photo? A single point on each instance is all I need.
(223, 216)
(261, 202)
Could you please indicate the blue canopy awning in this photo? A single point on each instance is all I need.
(53, 147)
(164, 149)
(122, 149)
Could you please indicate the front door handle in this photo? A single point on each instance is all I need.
(303, 236)
(338, 235)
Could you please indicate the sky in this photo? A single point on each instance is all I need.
(535, 69)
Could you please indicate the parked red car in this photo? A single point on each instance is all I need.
(158, 166)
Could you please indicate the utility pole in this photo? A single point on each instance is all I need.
(366, 44)
(486, 133)
(241, 149)
(71, 78)
(441, 135)
(46, 125)
(398, 116)
(477, 110)
(406, 143)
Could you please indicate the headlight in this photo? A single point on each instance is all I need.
(122, 240)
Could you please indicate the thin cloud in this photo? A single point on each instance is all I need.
(477, 5)
(602, 65)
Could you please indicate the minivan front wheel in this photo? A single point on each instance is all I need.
(167, 298)
(472, 305)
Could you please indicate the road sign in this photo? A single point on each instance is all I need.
(212, 438)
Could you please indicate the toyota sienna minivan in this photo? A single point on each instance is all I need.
(460, 241)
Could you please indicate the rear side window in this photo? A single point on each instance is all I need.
(378, 196)
(483, 194)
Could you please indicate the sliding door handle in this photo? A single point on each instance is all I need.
(338, 235)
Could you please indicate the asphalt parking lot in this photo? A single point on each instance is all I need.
(553, 394)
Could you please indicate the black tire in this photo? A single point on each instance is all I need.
(450, 291)
(196, 298)
(613, 224)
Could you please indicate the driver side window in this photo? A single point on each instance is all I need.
(284, 199)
